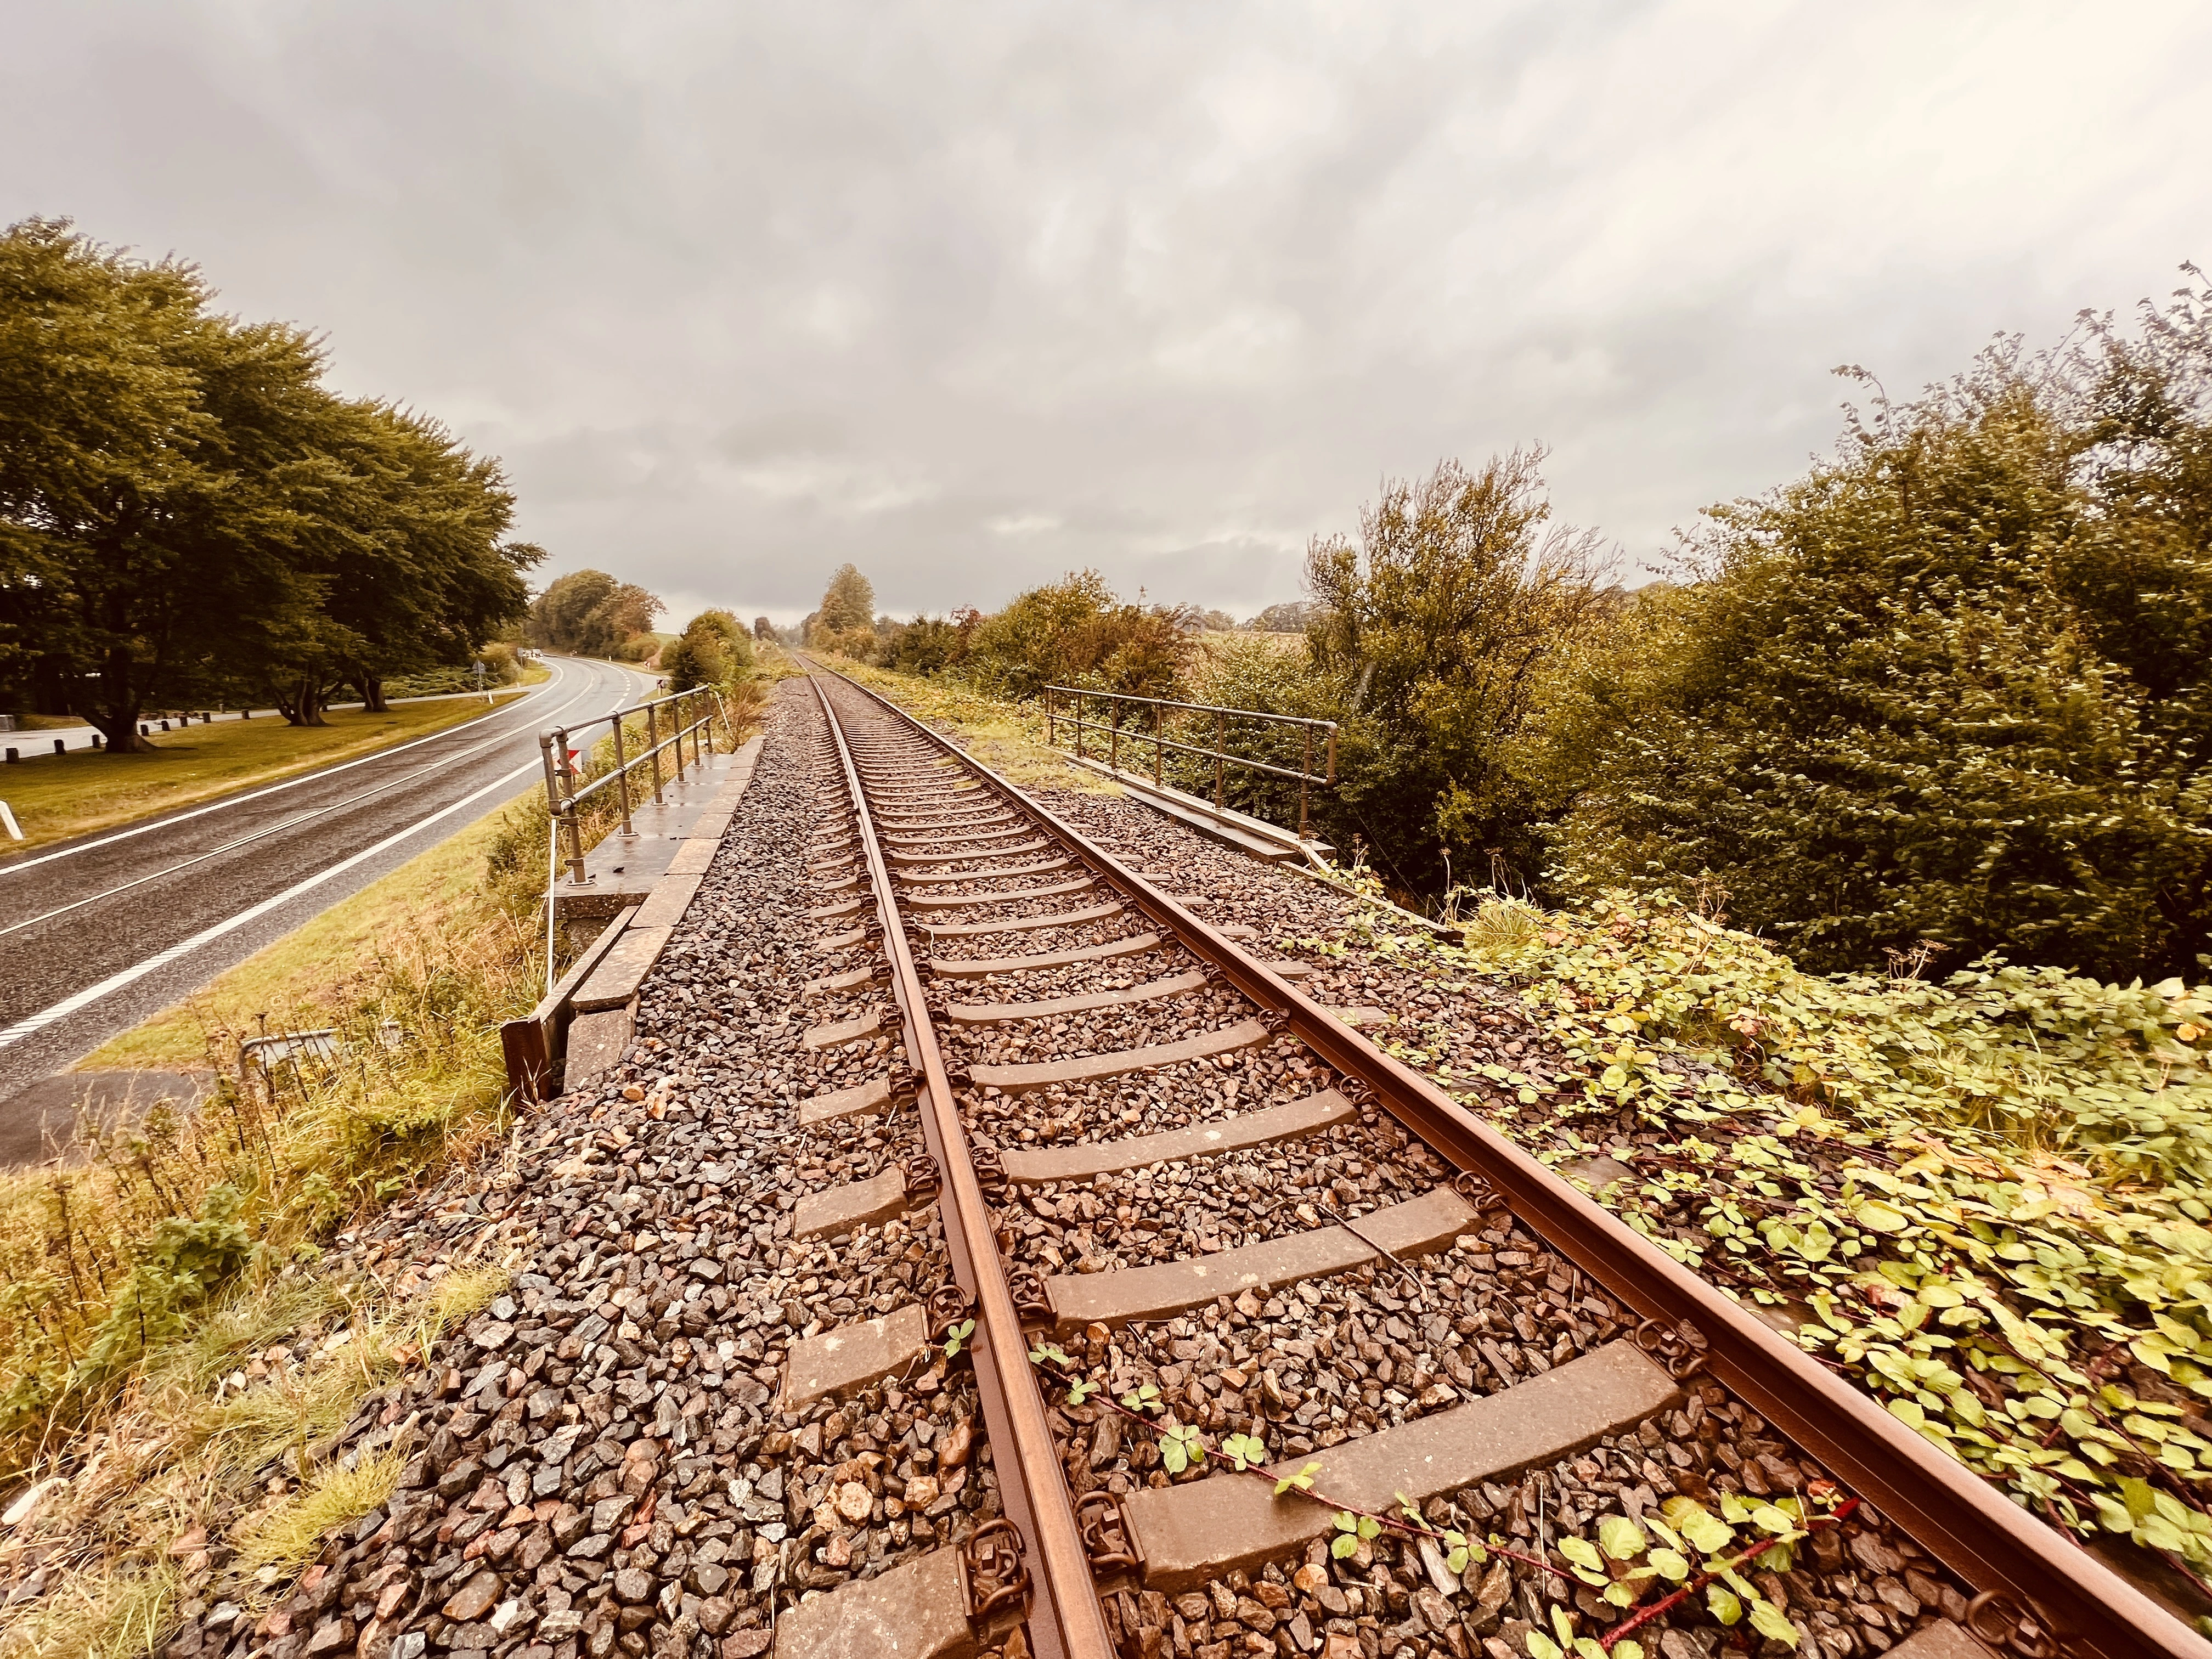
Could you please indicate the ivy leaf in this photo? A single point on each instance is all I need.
(1180, 1448)
(959, 1335)
(1146, 1399)
(1045, 1353)
(1671, 1564)
(1724, 1605)
(1541, 1646)
(1342, 1544)
(1080, 1389)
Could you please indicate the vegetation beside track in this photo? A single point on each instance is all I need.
(174, 1353)
(1986, 1198)
(56, 797)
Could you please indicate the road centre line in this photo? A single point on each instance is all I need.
(292, 821)
(31, 1025)
(559, 669)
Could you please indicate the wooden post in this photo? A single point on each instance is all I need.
(522, 1043)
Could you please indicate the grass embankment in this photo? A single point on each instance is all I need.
(55, 797)
(174, 1356)
(315, 975)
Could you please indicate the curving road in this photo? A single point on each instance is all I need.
(98, 933)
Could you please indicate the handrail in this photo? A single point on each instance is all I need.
(559, 757)
(1305, 776)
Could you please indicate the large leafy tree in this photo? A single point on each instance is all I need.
(589, 612)
(148, 466)
(1953, 685)
(184, 509)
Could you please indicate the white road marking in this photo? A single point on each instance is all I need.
(559, 670)
(34, 1024)
(296, 818)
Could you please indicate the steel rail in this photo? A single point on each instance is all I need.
(1992, 1543)
(1065, 1621)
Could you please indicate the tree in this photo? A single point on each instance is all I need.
(710, 651)
(1077, 630)
(848, 602)
(1954, 684)
(590, 613)
(150, 489)
(764, 629)
(1289, 617)
(1437, 630)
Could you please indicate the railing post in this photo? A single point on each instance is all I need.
(1220, 742)
(1156, 746)
(1113, 740)
(1331, 778)
(676, 720)
(1048, 742)
(1079, 726)
(652, 738)
(622, 780)
(1305, 777)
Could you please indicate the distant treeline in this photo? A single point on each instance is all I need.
(1948, 693)
(188, 515)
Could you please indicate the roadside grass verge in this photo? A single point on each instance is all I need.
(56, 797)
(186, 1377)
(1007, 737)
(315, 975)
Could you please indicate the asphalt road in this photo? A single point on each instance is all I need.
(98, 933)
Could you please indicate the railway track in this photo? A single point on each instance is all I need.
(1199, 1222)
(972, 1241)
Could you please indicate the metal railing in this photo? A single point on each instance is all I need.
(1304, 775)
(685, 714)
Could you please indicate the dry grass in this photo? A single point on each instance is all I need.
(289, 1536)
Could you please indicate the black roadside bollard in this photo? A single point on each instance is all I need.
(60, 748)
(96, 740)
(13, 757)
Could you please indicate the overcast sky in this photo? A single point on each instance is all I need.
(973, 295)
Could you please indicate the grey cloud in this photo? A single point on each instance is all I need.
(972, 297)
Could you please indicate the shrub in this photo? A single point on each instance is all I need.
(1955, 684)
(1077, 631)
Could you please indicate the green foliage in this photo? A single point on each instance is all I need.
(589, 613)
(956, 1337)
(1436, 631)
(1984, 1198)
(1954, 686)
(1077, 632)
(848, 602)
(928, 645)
(186, 512)
(712, 650)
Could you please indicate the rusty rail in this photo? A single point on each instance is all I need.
(2019, 1565)
(1064, 1619)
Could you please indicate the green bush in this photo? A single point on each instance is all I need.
(1077, 631)
(1954, 686)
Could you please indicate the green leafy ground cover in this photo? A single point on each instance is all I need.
(1984, 1199)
